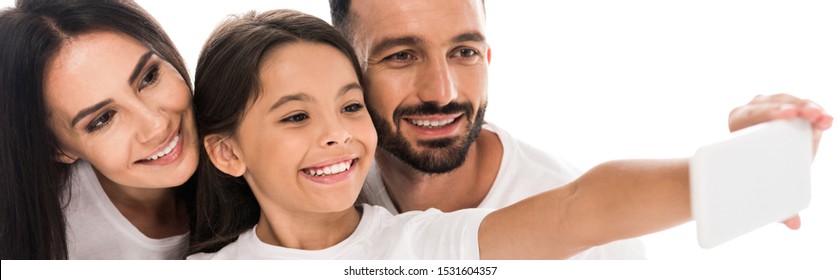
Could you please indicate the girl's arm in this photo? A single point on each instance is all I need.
(612, 201)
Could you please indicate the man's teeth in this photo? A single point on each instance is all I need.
(167, 150)
(329, 170)
(427, 123)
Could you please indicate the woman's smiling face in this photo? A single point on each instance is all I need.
(115, 103)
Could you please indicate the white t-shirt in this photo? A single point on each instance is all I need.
(97, 230)
(380, 235)
(525, 171)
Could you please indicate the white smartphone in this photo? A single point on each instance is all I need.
(757, 176)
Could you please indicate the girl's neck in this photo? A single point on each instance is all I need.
(157, 213)
(307, 231)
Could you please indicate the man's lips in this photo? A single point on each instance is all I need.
(434, 126)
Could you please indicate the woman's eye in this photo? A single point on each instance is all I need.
(100, 121)
(151, 77)
(296, 118)
(352, 108)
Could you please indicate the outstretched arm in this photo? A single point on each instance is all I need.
(612, 201)
(620, 199)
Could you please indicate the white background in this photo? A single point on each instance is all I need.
(592, 81)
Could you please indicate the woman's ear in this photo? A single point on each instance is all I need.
(65, 157)
(224, 154)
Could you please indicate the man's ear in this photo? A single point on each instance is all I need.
(489, 55)
(224, 154)
(65, 157)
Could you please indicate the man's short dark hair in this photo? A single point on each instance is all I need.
(341, 18)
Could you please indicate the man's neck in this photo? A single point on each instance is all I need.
(463, 187)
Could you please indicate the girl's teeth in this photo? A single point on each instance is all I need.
(329, 170)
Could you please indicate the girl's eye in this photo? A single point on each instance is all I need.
(151, 77)
(100, 121)
(352, 108)
(296, 118)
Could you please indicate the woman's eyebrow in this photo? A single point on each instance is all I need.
(139, 67)
(89, 110)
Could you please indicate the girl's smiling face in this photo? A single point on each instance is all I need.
(306, 143)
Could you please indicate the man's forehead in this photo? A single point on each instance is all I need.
(417, 14)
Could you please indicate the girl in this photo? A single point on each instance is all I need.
(288, 142)
(97, 130)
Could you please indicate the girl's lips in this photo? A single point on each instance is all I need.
(330, 174)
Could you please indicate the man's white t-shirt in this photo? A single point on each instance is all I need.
(380, 235)
(97, 230)
(525, 171)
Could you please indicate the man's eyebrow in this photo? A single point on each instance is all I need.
(388, 43)
(288, 98)
(469, 37)
(139, 67)
(89, 110)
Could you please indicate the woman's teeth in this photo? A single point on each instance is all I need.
(427, 123)
(167, 150)
(329, 170)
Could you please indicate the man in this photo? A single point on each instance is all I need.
(425, 71)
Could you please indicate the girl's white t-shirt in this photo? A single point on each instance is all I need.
(380, 235)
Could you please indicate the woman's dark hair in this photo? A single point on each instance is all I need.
(226, 83)
(34, 184)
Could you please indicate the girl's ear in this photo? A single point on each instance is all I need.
(224, 154)
(65, 157)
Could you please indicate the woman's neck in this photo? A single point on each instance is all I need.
(156, 212)
(307, 231)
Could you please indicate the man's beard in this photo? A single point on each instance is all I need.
(441, 155)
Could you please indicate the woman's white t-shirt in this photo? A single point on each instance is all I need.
(97, 230)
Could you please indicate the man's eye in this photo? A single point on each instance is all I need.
(399, 56)
(468, 52)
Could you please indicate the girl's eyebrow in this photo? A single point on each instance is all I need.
(349, 87)
(300, 96)
(288, 98)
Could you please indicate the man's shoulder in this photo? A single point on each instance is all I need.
(522, 157)
(525, 171)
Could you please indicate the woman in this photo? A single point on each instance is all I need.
(98, 131)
